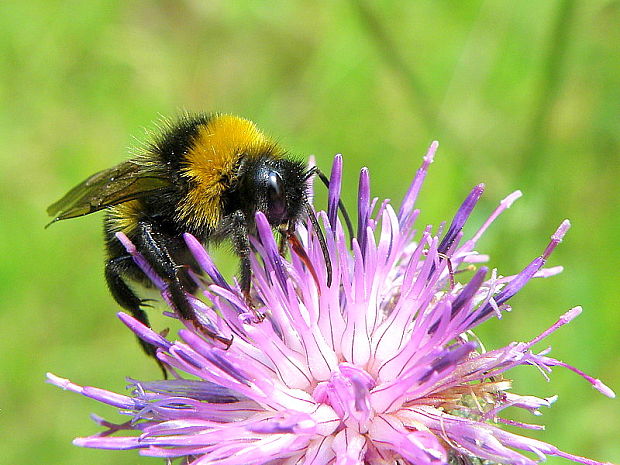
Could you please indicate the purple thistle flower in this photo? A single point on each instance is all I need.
(381, 367)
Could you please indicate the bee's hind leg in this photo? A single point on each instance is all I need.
(127, 299)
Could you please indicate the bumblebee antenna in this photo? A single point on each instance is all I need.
(325, 180)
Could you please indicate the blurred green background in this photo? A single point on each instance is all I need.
(521, 95)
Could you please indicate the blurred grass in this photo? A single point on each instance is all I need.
(521, 95)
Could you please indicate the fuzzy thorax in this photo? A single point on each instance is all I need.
(212, 162)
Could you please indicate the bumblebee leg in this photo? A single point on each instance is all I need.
(157, 248)
(241, 244)
(155, 251)
(128, 300)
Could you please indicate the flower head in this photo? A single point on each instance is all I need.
(380, 367)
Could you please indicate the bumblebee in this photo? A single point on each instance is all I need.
(208, 175)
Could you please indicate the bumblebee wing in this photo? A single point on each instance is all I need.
(124, 182)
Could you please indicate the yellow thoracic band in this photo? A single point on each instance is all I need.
(211, 161)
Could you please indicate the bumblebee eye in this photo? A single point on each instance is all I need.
(275, 198)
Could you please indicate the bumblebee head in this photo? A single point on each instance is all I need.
(274, 186)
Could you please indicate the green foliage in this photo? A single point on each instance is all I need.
(520, 95)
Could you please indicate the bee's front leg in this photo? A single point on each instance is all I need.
(241, 244)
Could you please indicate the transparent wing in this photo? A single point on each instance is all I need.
(124, 182)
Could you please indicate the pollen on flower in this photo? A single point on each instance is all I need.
(379, 367)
